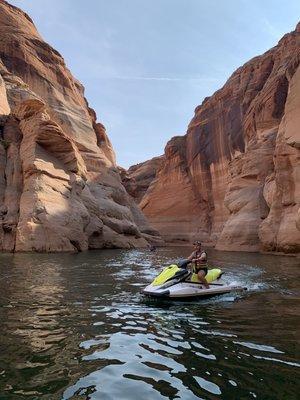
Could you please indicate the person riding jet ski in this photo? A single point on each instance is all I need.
(199, 259)
(177, 282)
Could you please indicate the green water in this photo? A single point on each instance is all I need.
(76, 327)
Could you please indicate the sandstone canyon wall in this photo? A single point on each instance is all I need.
(234, 179)
(139, 177)
(60, 189)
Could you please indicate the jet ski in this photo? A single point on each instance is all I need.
(179, 283)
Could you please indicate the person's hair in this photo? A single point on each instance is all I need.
(197, 243)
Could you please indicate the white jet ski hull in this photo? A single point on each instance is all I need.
(188, 290)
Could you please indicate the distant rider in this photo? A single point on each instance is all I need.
(199, 258)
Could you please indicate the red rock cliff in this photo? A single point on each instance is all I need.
(139, 177)
(60, 189)
(234, 178)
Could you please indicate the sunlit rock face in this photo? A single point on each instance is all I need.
(60, 189)
(233, 180)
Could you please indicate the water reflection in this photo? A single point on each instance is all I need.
(76, 327)
(36, 341)
(42, 291)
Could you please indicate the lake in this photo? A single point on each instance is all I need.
(76, 327)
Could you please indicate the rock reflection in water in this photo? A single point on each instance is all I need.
(37, 343)
(76, 327)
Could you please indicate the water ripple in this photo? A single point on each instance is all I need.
(76, 327)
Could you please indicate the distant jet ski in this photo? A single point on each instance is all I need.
(181, 284)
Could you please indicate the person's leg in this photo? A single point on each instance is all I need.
(183, 264)
(201, 276)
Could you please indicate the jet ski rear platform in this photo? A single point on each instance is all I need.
(176, 283)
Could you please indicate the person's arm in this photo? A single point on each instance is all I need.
(203, 256)
(192, 256)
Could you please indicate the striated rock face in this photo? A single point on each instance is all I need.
(139, 177)
(234, 179)
(281, 228)
(60, 189)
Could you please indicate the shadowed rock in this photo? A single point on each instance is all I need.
(60, 189)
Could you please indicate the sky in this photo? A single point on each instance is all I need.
(146, 65)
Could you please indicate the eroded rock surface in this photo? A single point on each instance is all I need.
(139, 177)
(60, 189)
(233, 180)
